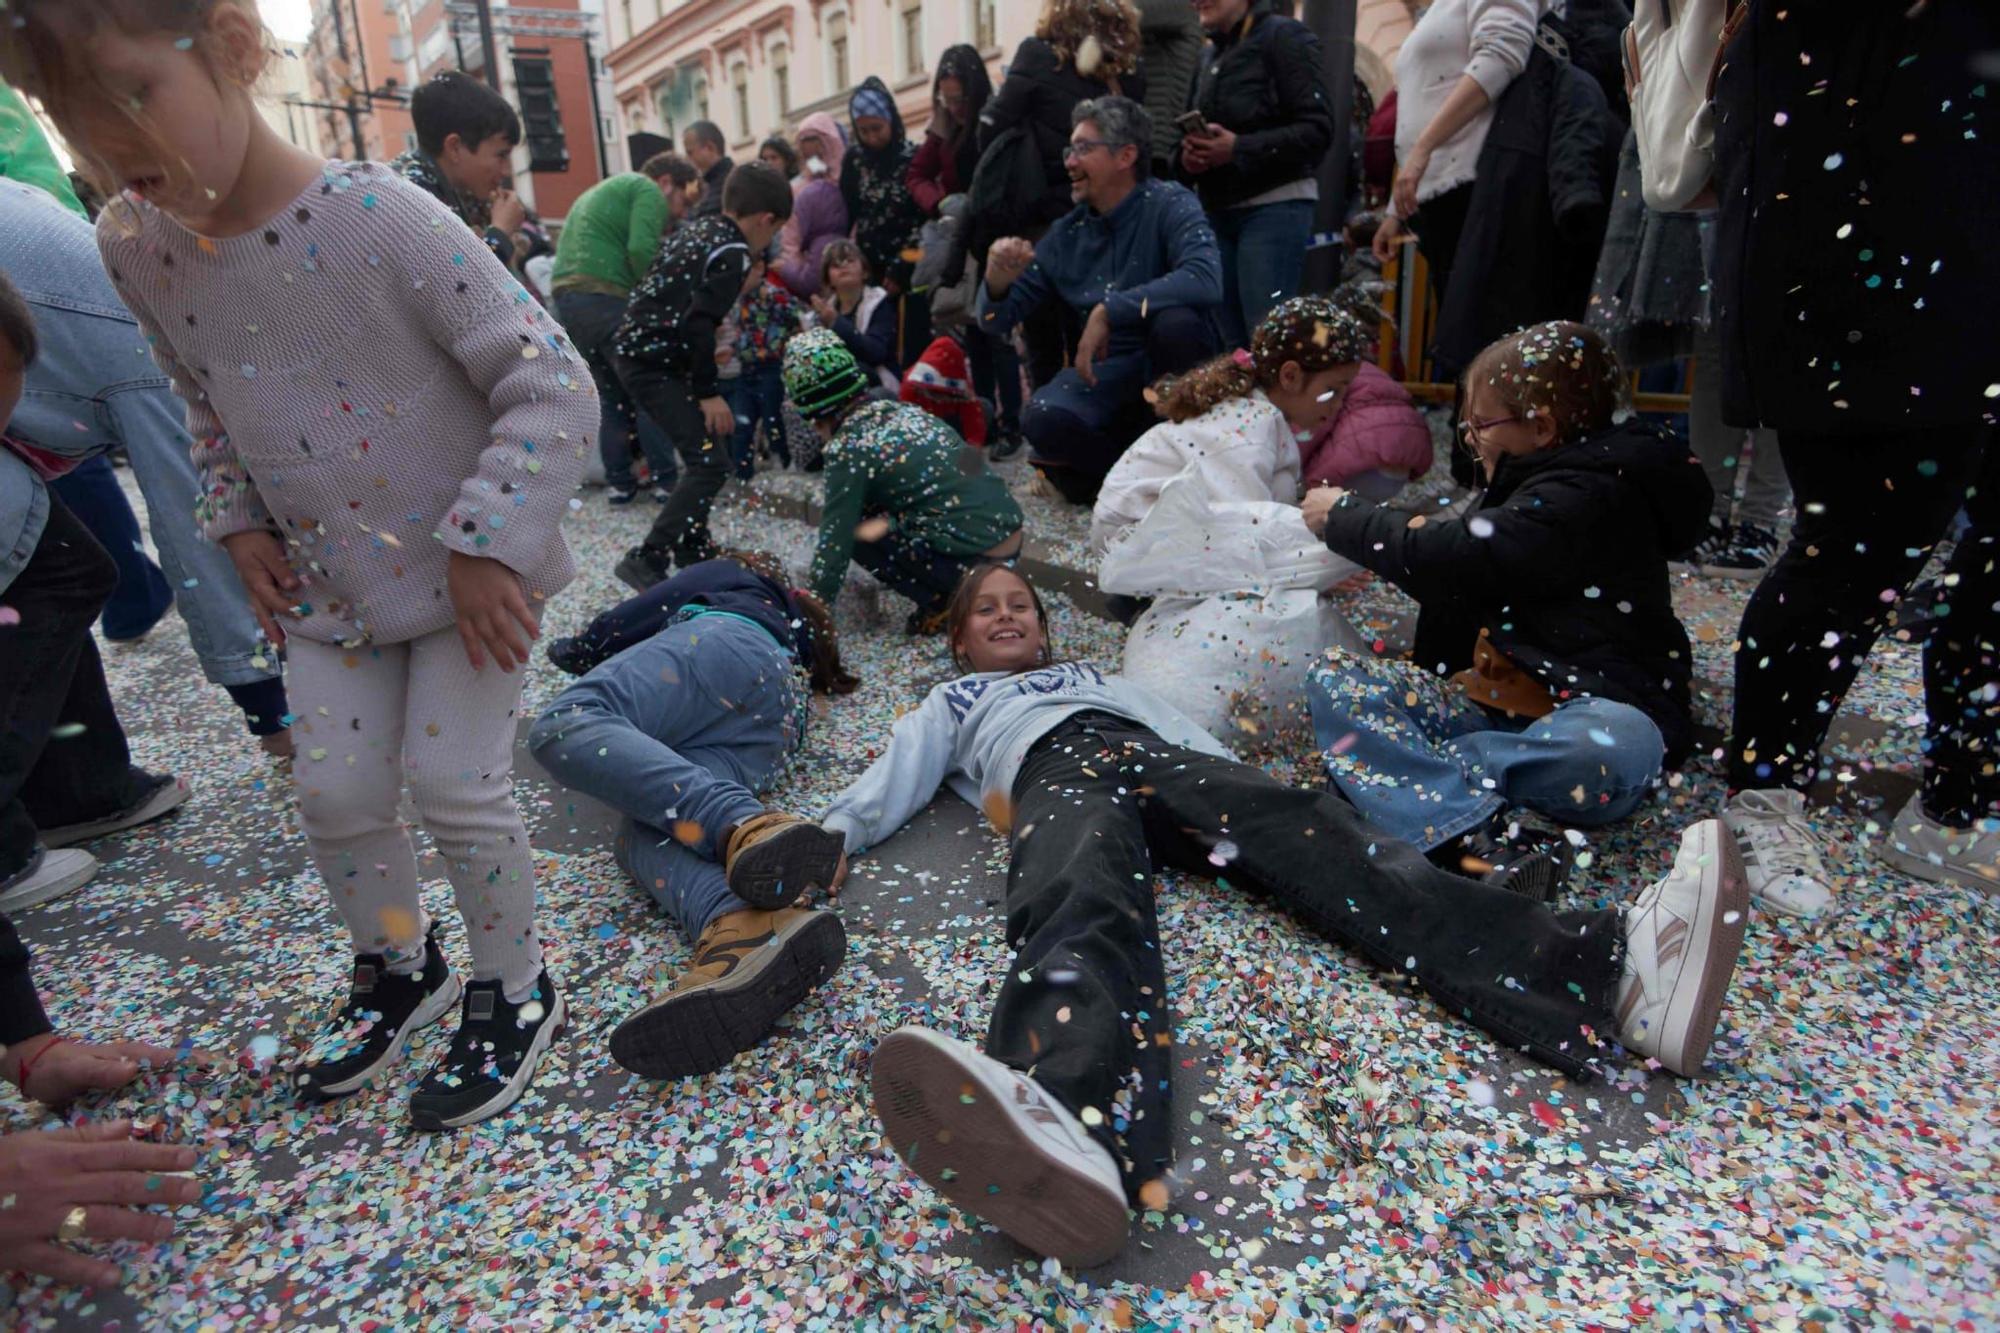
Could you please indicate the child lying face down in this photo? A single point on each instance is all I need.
(696, 694)
(1062, 1122)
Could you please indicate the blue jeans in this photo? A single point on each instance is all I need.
(1425, 763)
(95, 384)
(92, 492)
(1263, 261)
(677, 734)
(590, 319)
(758, 394)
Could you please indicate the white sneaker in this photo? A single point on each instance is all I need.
(1921, 847)
(59, 870)
(1780, 854)
(1682, 936)
(995, 1144)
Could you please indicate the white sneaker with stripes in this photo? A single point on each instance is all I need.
(1682, 937)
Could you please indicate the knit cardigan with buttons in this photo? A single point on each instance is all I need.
(365, 381)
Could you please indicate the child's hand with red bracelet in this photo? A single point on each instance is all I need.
(56, 1071)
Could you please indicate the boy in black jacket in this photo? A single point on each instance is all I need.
(665, 354)
(1548, 601)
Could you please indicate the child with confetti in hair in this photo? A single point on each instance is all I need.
(1242, 420)
(1551, 673)
(1096, 781)
(906, 499)
(389, 430)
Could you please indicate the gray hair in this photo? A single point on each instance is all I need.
(1122, 122)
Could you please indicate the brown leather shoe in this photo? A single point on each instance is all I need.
(749, 970)
(773, 858)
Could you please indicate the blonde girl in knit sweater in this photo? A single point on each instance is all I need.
(389, 429)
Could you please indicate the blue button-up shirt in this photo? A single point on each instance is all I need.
(1152, 252)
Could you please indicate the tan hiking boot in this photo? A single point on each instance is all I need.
(749, 970)
(773, 858)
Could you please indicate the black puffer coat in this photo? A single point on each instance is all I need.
(1857, 253)
(887, 221)
(1535, 223)
(1564, 563)
(1262, 80)
(1039, 93)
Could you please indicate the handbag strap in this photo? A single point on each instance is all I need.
(1738, 12)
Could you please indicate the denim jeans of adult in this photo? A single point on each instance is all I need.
(680, 533)
(591, 319)
(1263, 261)
(92, 492)
(996, 375)
(1425, 763)
(678, 734)
(1871, 506)
(1077, 431)
(63, 757)
(757, 396)
(1101, 802)
(917, 570)
(95, 384)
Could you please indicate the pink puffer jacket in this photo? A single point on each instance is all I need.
(1377, 429)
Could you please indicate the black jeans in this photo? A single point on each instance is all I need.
(1100, 800)
(63, 758)
(591, 319)
(1078, 431)
(1870, 508)
(681, 530)
(918, 571)
(996, 375)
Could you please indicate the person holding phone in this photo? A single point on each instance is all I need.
(1251, 144)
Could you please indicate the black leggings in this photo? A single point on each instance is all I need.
(1870, 509)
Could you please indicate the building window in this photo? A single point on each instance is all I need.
(836, 52)
(739, 79)
(625, 13)
(781, 79)
(985, 33)
(913, 38)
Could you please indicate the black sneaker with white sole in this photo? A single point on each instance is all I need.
(493, 1055)
(370, 1032)
(1513, 856)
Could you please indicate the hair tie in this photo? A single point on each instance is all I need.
(1243, 358)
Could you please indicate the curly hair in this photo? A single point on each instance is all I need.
(1097, 38)
(1560, 369)
(1318, 332)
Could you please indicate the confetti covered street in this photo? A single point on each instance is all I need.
(1348, 1152)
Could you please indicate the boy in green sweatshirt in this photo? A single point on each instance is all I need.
(906, 499)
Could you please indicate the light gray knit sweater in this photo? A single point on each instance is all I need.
(366, 381)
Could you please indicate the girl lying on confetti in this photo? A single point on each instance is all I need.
(693, 700)
(1064, 1118)
(389, 430)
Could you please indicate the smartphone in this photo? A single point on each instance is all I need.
(1191, 122)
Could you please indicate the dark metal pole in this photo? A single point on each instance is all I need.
(1333, 22)
(596, 112)
(487, 49)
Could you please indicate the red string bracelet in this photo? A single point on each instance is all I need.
(28, 1065)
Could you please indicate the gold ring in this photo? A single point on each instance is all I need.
(72, 1225)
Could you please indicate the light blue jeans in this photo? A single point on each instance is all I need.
(1424, 763)
(94, 384)
(678, 734)
(1263, 261)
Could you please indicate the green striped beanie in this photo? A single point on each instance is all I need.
(821, 375)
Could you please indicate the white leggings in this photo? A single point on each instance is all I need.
(369, 719)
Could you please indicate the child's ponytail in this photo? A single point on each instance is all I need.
(1318, 332)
